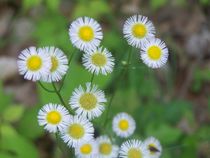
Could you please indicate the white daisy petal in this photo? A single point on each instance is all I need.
(137, 29)
(53, 117)
(59, 65)
(98, 60)
(154, 53)
(133, 148)
(87, 149)
(78, 130)
(106, 148)
(153, 146)
(85, 33)
(88, 102)
(33, 63)
(123, 125)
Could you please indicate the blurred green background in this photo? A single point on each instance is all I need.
(171, 103)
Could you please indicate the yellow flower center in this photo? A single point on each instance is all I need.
(53, 117)
(86, 33)
(134, 153)
(99, 59)
(123, 125)
(34, 63)
(88, 101)
(76, 131)
(105, 148)
(54, 62)
(154, 52)
(139, 30)
(86, 149)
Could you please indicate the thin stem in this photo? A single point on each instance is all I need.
(60, 97)
(92, 77)
(122, 73)
(46, 89)
(64, 77)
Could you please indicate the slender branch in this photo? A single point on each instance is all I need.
(92, 77)
(46, 89)
(64, 77)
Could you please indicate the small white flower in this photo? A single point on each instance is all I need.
(53, 117)
(98, 60)
(78, 130)
(87, 149)
(123, 125)
(88, 102)
(133, 149)
(33, 63)
(154, 53)
(137, 29)
(59, 64)
(85, 33)
(153, 146)
(106, 148)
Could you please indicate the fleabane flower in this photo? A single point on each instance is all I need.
(53, 117)
(137, 29)
(78, 130)
(33, 63)
(85, 33)
(59, 64)
(153, 146)
(106, 148)
(88, 102)
(133, 149)
(154, 53)
(87, 149)
(123, 125)
(98, 60)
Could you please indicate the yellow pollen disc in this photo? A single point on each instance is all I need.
(76, 131)
(53, 117)
(154, 52)
(34, 63)
(99, 59)
(139, 30)
(86, 149)
(54, 62)
(105, 148)
(134, 153)
(86, 33)
(123, 125)
(88, 101)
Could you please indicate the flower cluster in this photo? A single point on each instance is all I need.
(50, 64)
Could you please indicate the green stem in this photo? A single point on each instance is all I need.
(92, 77)
(64, 77)
(122, 73)
(60, 97)
(46, 89)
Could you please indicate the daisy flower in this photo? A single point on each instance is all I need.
(153, 146)
(33, 63)
(123, 125)
(138, 28)
(87, 149)
(154, 53)
(85, 33)
(53, 117)
(106, 148)
(88, 102)
(78, 130)
(133, 149)
(98, 60)
(59, 64)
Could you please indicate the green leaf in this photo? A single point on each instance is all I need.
(53, 4)
(27, 4)
(5, 99)
(13, 113)
(14, 143)
(28, 125)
